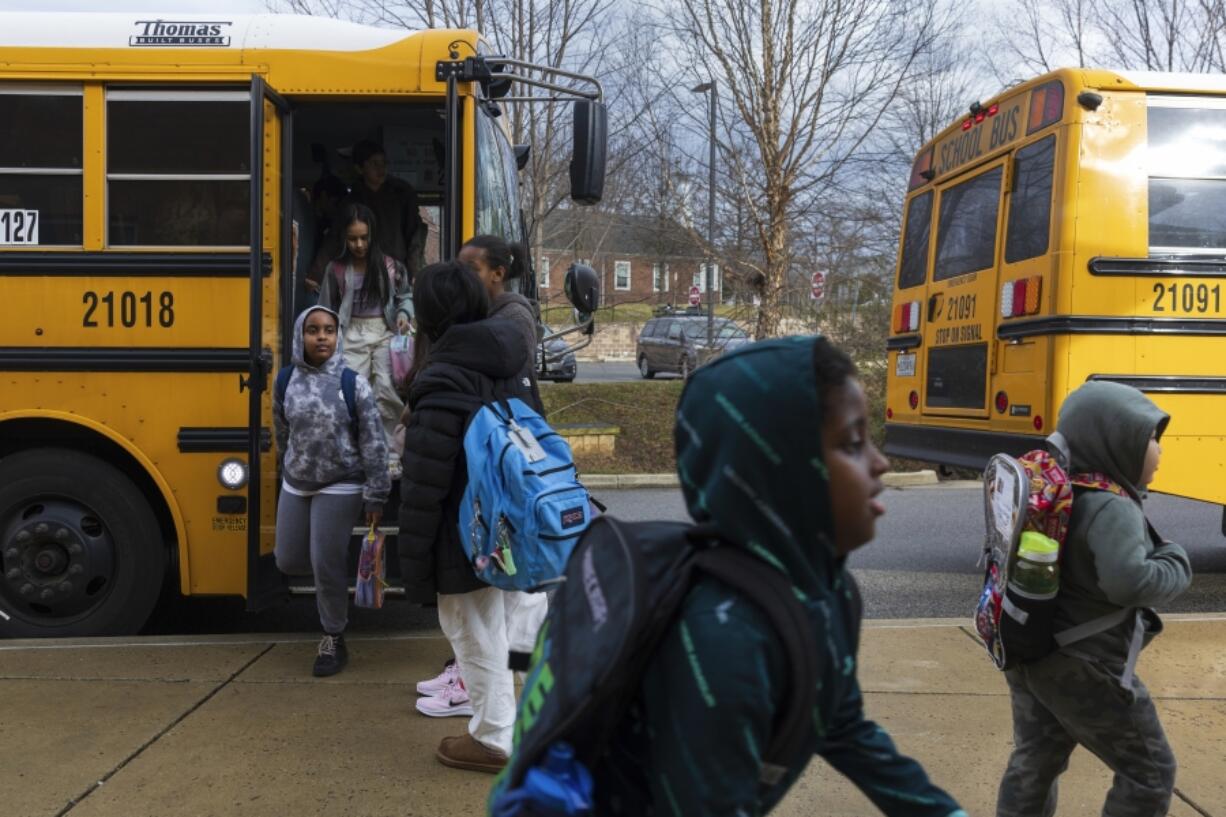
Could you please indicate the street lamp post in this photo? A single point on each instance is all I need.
(709, 87)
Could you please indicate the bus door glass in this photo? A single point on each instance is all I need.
(1026, 283)
(958, 315)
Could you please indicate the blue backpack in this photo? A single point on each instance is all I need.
(349, 389)
(524, 508)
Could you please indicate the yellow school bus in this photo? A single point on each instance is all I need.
(1072, 228)
(151, 172)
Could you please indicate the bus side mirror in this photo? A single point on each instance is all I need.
(582, 288)
(587, 161)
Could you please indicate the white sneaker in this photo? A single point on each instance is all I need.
(439, 684)
(453, 702)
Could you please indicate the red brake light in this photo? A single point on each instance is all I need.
(1019, 297)
(1038, 422)
(913, 399)
(889, 413)
(1002, 402)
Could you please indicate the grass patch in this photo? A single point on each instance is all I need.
(644, 412)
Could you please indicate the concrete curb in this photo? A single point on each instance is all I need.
(895, 479)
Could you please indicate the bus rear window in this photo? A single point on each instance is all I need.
(966, 233)
(1030, 203)
(41, 145)
(913, 268)
(1187, 175)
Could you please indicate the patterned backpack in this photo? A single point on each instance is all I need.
(1033, 492)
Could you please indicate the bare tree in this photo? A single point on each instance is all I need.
(802, 85)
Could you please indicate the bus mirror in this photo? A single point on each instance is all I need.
(587, 160)
(582, 288)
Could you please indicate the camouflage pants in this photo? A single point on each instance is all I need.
(1062, 701)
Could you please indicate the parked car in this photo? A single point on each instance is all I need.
(678, 343)
(563, 369)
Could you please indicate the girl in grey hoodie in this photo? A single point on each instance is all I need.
(333, 467)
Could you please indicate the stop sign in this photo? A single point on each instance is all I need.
(695, 296)
(819, 285)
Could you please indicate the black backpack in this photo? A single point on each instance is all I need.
(624, 584)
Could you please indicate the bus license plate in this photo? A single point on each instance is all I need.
(905, 365)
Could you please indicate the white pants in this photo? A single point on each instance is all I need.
(367, 350)
(482, 627)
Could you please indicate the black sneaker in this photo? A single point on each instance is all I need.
(332, 657)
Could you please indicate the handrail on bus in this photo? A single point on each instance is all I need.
(484, 71)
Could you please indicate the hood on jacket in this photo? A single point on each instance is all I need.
(507, 298)
(1108, 426)
(333, 364)
(493, 347)
(749, 457)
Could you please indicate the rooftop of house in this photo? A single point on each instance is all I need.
(588, 233)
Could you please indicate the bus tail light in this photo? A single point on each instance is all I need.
(1020, 297)
(889, 413)
(1002, 402)
(1046, 106)
(906, 317)
(1038, 422)
(913, 400)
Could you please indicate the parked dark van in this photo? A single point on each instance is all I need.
(678, 343)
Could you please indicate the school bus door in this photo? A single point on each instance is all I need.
(960, 310)
(270, 190)
(1020, 398)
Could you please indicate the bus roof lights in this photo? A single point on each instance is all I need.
(1046, 106)
(967, 124)
(993, 110)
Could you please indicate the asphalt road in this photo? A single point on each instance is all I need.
(923, 564)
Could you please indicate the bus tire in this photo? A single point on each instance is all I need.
(81, 552)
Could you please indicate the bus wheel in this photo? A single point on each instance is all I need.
(80, 549)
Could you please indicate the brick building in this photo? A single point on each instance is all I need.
(640, 259)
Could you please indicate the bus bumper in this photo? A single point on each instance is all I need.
(960, 447)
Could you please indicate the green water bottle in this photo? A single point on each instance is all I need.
(1036, 573)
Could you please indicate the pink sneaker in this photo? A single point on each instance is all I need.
(438, 684)
(452, 702)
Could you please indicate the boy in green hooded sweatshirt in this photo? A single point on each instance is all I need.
(773, 449)
(1113, 564)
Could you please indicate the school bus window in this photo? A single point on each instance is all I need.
(1187, 169)
(913, 269)
(40, 166)
(1030, 203)
(496, 182)
(177, 168)
(957, 376)
(966, 231)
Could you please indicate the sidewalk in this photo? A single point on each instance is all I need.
(235, 725)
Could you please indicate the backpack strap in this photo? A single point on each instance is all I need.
(282, 384)
(772, 592)
(1103, 623)
(349, 390)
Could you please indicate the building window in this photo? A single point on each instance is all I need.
(700, 277)
(542, 272)
(655, 277)
(667, 278)
(621, 275)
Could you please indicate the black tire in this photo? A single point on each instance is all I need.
(645, 370)
(81, 553)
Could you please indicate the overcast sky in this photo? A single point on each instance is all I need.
(173, 6)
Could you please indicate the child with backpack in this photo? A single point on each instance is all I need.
(370, 293)
(1113, 567)
(463, 362)
(776, 466)
(334, 467)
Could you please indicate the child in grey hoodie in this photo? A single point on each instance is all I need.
(332, 467)
(1113, 568)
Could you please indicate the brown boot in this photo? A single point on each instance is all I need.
(464, 752)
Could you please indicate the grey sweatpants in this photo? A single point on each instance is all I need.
(1062, 701)
(313, 537)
